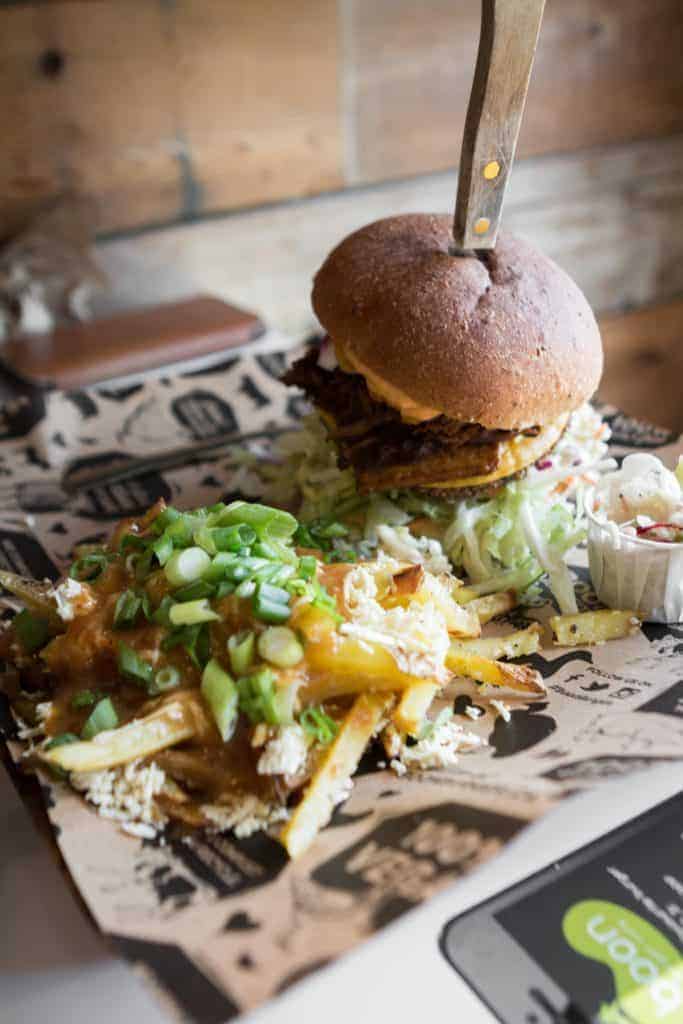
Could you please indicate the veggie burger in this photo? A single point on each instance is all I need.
(452, 375)
(450, 393)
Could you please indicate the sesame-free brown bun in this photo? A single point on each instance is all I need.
(506, 340)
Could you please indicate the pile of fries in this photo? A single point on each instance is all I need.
(248, 657)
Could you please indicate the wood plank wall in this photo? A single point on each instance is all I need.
(161, 111)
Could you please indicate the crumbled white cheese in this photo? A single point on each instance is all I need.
(416, 636)
(138, 829)
(72, 598)
(427, 551)
(440, 748)
(30, 733)
(245, 815)
(473, 712)
(502, 709)
(126, 794)
(285, 753)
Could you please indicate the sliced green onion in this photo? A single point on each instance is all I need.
(163, 548)
(319, 725)
(204, 539)
(247, 588)
(194, 591)
(233, 538)
(282, 574)
(265, 549)
(238, 572)
(280, 646)
(343, 555)
(165, 679)
(298, 587)
(270, 604)
(265, 521)
(220, 693)
(165, 518)
(320, 534)
(270, 593)
(323, 600)
(126, 609)
(273, 572)
(89, 567)
(132, 666)
(331, 530)
(161, 615)
(182, 529)
(192, 613)
(61, 740)
(252, 563)
(224, 588)
(270, 611)
(213, 510)
(220, 564)
(85, 699)
(195, 640)
(258, 698)
(241, 651)
(32, 630)
(303, 538)
(102, 717)
(308, 565)
(186, 566)
(143, 565)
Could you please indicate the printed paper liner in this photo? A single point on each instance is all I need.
(221, 925)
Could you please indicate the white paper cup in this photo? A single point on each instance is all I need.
(633, 573)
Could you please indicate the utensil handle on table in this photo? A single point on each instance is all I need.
(76, 480)
(507, 44)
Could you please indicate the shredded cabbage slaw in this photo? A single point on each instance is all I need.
(510, 540)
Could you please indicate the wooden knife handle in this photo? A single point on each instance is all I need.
(507, 44)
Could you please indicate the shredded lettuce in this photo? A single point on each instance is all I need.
(510, 540)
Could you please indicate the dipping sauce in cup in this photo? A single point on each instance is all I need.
(635, 538)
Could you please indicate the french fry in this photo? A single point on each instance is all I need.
(408, 581)
(463, 621)
(413, 585)
(512, 645)
(495, 673)
(349, 666)
(392, 740)
(593, 627)
(338, 764)
(172, 723)
(413, 706)
(36, 595)
(493, 604)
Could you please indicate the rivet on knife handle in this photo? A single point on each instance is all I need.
(507, 44)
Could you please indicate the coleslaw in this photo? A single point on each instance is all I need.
(507, 541)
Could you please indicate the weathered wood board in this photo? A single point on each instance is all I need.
(163, 111)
